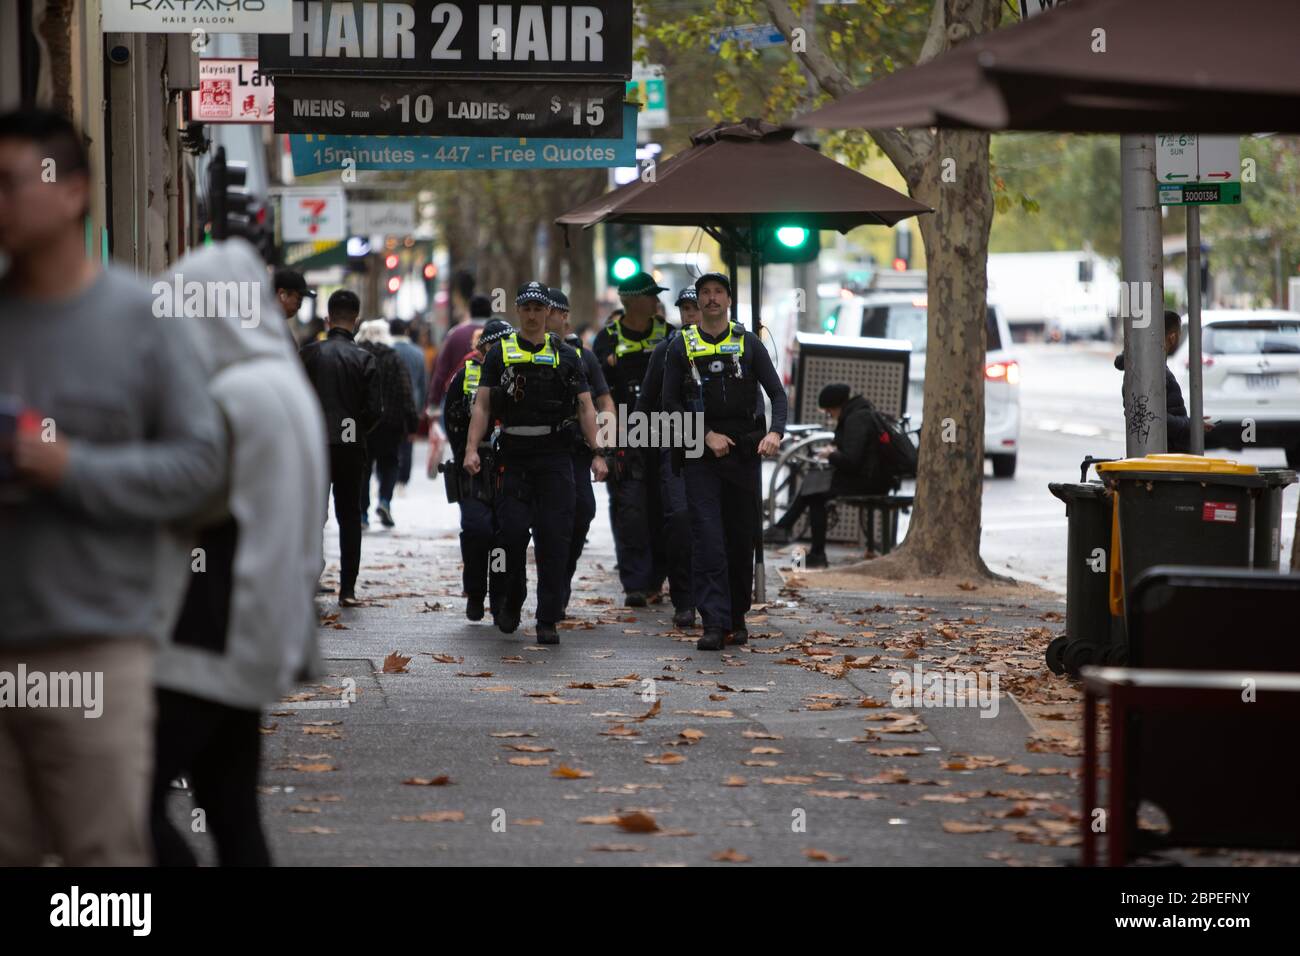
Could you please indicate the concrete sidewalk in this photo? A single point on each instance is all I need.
(783, 752)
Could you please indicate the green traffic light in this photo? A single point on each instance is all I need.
(792, 237)
(624, 267)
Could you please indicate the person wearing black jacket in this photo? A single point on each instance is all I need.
(399, 421)
(854, 469)
(677, 517)
(715, 370)
(1178, 424)
(347, 384)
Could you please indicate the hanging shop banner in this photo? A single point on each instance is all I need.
(455, 38)
(438, 108)
(318, 154)
(232, 91)
(186, 16)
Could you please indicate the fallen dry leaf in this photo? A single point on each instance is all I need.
(705, 713)
(823, 857)
(312, 767)
(761, 735)
(735, 782)
(529, 761)
(729, 856)
(765, 750)
(570, 773)
(395, 663)
(447, 659)
(666, 759)
(434, 816)
(311, 830)
(691, 734)
(440, 781)
(894, 751)
(530, 748)
(961, 826)
(512, 733)
(638, 822)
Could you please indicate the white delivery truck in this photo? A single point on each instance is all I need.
(1059, 295)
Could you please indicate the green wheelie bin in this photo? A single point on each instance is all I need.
(1179, 509)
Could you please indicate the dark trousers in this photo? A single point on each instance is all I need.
(218, 748)
(535, 497)
(348, 473)
(475, 544)
(815, 505)
(404, 463)
(677, 533)
(630, 520)
(383, 459)
(584, 510)
(723, 501)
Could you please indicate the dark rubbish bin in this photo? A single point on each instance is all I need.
(1268, 518)
(1180, 509)
(1090, 628)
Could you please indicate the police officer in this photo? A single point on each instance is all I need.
(677, 519)
(624, 347)
(585, 507)
(534, 385)
(472, 494)
(715, 369)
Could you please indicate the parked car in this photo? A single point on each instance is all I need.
(902, 315)
(1250, 372)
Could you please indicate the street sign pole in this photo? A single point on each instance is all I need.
(1143, 318)
(1194, 367)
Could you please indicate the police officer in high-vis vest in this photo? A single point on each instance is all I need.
(585, 507)
(677, 519)
(533, 384)
(715, 369)
(472, 494)
(636, 511)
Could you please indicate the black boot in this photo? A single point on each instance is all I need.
(684, 617)
(474, 608)
(714, 639)
(507, 621)
(546, 634)
(738, 636)
(634, 599)
(816, 559)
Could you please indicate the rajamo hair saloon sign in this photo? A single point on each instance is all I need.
(186, 16)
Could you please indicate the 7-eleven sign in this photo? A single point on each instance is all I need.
(314, 215)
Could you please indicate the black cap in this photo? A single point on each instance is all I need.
(558, 299)
(834, 396)
(291, 280)
(717, 277)
(687, 295)
(533, 292)
(640, 284)
(493, 331)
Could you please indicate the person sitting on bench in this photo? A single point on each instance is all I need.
(855, 469)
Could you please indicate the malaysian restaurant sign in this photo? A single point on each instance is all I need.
(464, 38)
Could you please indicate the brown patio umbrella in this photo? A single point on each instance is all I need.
(737, 173)
(1166, 64)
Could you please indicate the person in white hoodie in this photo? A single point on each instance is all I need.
(247, 630)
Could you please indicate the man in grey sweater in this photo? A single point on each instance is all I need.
(107, 437)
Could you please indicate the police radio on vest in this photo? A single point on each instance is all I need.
(372, 30)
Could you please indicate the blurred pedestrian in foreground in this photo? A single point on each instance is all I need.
(396, 425)
(347, 383)
(247, 629)
(112, 436)
(413, 358)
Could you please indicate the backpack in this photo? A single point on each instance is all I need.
(895, 451)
